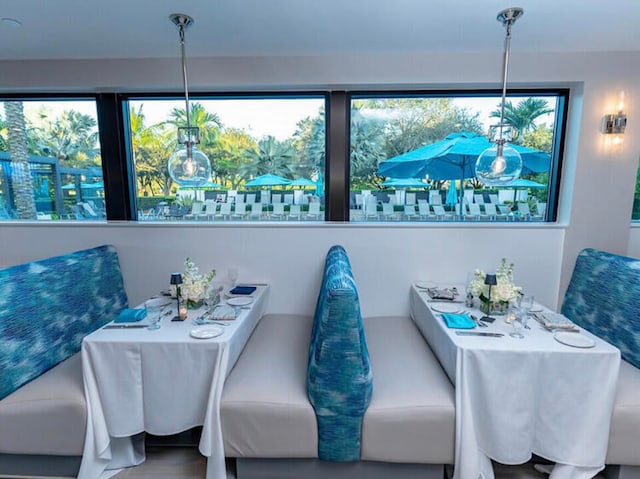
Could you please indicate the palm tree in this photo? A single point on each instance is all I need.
(522, 117)
(209, 123)
(72, 138)
(272, 156)
(20, 172)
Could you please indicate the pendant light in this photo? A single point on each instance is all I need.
(501, 164)
(188, 166)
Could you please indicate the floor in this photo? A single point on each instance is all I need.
(187, 463)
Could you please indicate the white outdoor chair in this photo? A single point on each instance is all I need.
(479, 199)
(225, 211)
(210, 210)
(410, 212)
(240, 210)
(288, 198)
(424, 210)
(256, 211)
(278, 211)
(251, 198)
(276, 198)
(541, 212)
(196, 209)
(371, 208)
(294, 212)
(388, 214)
(474, 212)
(410, 198)
(524, 212)
(314, 211)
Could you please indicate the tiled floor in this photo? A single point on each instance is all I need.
(187, 463)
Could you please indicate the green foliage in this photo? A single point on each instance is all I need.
(541, 138)
(270, 156)
(522, 117)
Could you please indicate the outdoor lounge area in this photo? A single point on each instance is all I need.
(297, 306)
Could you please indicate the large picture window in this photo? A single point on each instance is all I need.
(50, 161)
(412, 157)
(267, 156)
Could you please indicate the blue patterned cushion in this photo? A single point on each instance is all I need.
(48, 306)
(339, 381)
(604, 298)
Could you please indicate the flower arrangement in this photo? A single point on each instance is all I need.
(501, 293)
(194, 285)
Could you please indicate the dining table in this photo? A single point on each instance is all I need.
(162, 382)
(548, 394)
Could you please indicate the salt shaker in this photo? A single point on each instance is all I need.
(469, 301)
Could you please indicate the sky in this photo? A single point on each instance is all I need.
(257, 116)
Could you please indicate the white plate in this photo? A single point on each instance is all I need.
(239, 301)
(425, 284)
(207, 332)
(446, 308)
(575, 340)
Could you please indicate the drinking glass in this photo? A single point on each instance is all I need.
(525, 306)
(517, 325)
(154, 309)
(232, 274)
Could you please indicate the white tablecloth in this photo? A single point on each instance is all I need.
(162, 382)
(515, 397)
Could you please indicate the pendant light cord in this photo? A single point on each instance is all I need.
(505, 66)
(184, 76)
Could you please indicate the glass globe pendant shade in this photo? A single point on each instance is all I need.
(498, 165)
(186, 169)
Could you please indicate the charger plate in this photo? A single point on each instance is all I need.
(207, 332)
(575, 340)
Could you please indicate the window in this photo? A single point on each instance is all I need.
(267, 156)
(404, 167)
(635, 214)
(50, 161)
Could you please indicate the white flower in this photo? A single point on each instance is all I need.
(505, 290)
(194, 285)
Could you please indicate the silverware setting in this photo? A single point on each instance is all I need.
(125, 326)
(479, 333)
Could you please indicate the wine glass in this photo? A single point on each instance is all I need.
(517, 324)
(232, 274)
(154, 309)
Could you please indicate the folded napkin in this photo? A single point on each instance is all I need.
(243, 290)
(224, 312)
(458, 321)
(128, 315)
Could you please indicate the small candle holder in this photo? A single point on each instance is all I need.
(176, 280)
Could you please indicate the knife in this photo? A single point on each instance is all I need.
(444, 301)
(479, 333)
(125, 326)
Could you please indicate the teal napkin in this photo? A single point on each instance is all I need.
(458, 321)
(128, 315)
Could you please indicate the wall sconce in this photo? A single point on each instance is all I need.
(613, 126)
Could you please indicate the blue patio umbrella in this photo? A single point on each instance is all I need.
(302, 182)
(320, 186)
(268, 180)
(404, 183)
(452, 194)
(523, 184)
(455, 158)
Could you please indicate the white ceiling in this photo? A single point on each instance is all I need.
(74, 29)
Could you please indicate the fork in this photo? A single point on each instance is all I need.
(477, 321)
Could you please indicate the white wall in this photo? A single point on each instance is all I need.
(596, 190)
(385, 260)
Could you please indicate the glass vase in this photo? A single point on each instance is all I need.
(498, 308)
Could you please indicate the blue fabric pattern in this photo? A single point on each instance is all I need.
(604, 298)
(48, 306)
(339, 380)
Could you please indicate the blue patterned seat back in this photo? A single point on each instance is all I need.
(604, 298)
(339, 381)
(48, 306)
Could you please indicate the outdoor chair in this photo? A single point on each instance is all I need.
(288, 198)
(410, 198)
(388, 213)
(276, 198)
(240, 210)
(474, 212)
(524, 212)
(278, 211)
(196, 209)
(210, 209)
(494, 198)
(294, 213)
(225, 211)
(410, 213)
(265, 197)
(391, 199)
(479, 199)
(314, 211)
(251, 198)
(90, 213)
(359, 201)
(441, 214)
(424, 210)
(371, 208)
(541, 212)
(256, 211)
(435, 198)
(505, 210)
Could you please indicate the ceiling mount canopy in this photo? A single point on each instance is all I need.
(188, 166)
(501, 164)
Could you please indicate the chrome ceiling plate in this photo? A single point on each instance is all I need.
(181, 20)
(508, 16)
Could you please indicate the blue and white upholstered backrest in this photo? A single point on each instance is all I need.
(339, 380)
(604, 298)
(47, 307)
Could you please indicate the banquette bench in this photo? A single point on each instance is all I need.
(285, 411)
(604, 297)
(46, 309)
